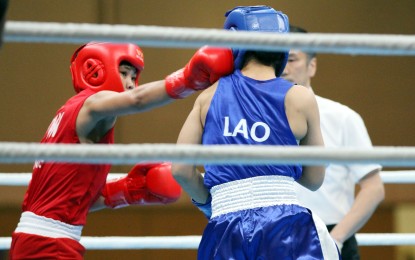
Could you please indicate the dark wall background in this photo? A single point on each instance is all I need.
(35, 80)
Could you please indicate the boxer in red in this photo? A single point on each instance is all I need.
(60, 195)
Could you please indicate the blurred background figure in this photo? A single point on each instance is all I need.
(335, 201)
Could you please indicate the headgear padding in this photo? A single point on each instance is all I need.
(96, 65)
(259, 18)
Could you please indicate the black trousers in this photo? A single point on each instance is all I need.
(350, 250)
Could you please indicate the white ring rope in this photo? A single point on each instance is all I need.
(23, 178)
(198, 154)
(192, 242)
(177, 37)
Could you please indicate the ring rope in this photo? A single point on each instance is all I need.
(11, 152)
(192, 242)
(179, 37)
(23, 178)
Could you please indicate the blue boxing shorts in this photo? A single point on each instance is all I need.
(259, 218)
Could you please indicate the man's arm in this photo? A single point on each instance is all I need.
(371, 194)
(372, 190)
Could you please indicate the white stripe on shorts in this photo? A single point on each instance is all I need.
(328, 246)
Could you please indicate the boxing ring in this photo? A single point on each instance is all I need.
(119, 154)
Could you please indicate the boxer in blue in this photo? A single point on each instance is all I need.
(253, 209)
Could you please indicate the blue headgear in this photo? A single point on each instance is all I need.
(259, 18)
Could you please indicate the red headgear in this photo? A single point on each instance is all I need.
(96, 65)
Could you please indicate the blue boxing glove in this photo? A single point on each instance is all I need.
(206, 208)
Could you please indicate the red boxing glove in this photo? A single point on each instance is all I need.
(145, 184)
(206, 66)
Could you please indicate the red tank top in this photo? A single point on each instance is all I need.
(65, 191)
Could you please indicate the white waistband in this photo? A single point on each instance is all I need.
(31, 223)
(261, 191)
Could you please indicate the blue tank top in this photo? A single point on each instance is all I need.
(246, 111)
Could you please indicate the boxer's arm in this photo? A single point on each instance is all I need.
(104, 107)
(140, 99)
(186, 175)
(206, 66)
(313, 175)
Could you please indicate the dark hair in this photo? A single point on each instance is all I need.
(267, 58)
(297, 29)
(126, 63)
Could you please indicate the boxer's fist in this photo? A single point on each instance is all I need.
(206, 66)
(145, 184)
